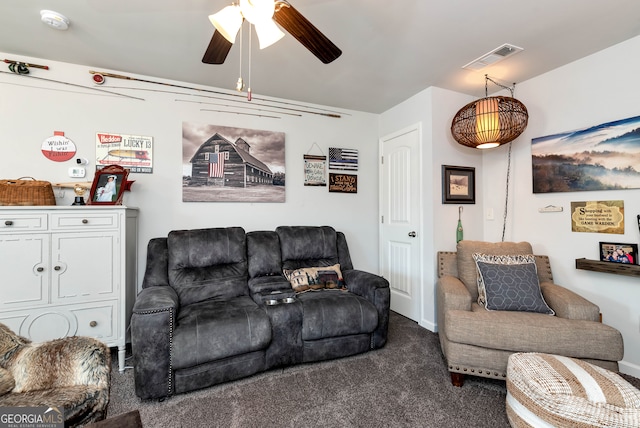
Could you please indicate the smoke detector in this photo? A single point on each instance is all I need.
(498, 54)
(54, 19)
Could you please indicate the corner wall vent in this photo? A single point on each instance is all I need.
(498, 54)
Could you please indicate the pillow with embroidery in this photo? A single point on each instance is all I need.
(315, 278)
(510, 283)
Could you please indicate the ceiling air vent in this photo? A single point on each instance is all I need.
(498, 54)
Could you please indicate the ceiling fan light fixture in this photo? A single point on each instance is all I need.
(228, 22)
(268, 33)
(257, 11)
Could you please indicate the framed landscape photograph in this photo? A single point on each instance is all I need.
(616, 252)
(458, 185)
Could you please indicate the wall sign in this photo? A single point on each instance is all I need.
(343, 183)
(315, 168)
(58, 148)
(598, 216)
(134, 152)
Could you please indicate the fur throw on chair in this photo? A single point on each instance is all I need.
(71, 374)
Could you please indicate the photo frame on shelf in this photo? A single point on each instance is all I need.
(458, 185)
(616, 252)
(108, 185)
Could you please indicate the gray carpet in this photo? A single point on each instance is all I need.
(405, 384)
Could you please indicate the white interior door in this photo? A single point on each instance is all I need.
(400, 231)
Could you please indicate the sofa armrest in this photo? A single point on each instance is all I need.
(568, 304)
(375, 289)
(152, 324)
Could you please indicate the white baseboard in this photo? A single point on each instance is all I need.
(629, 368)
(431, 326)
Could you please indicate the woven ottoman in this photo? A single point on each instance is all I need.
(552, 391)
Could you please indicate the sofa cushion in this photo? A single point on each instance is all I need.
(329, 313)
(207, 264)
(509, 283)
(467, 270)
(307, 246)
(263, 253)
(315, 278)
(211, 330)
(533, 332)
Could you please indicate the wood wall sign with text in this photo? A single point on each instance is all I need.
(343, 183)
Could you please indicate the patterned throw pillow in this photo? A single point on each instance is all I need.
(315, 278)
(509, 283)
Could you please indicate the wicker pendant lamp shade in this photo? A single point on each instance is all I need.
(489, 122)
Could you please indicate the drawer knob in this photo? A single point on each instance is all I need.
(40, 269)
(8, 223)
(57, 268)
(85, 221)
(93, 323)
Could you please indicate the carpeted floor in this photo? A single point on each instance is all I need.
(405, 384)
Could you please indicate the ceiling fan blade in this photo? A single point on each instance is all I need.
(217, 50)
(305, 32)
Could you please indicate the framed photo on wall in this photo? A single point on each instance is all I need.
(108, 185)
(458, 185)
(619, 253)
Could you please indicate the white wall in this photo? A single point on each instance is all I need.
(31, 110)
(434, 108)
(596, 89)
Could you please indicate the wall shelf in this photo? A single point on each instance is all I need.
(608, 267)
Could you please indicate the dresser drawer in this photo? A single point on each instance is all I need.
(11, 223)
(69, 221)
(97, 321)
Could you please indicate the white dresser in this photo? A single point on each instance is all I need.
(68, 271)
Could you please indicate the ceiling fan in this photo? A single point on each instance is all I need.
(263, 14)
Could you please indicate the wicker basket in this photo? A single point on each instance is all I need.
(26, 191)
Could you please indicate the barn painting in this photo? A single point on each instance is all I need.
(225, 164)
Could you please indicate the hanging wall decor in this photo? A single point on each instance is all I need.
(458, 185)
(343, 183)
(315, 170)
(134, 152)
(225, 164)
(597, 217)
(602, 157)
(344, 159)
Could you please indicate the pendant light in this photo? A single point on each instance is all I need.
(490, 121)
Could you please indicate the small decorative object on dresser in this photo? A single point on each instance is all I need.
(108, 185)
(68, 271)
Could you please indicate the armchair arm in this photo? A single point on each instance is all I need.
(152, 324)
(451, 295)
(375, 289)
(568, 304)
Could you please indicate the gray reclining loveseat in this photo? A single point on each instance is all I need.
(216, 306)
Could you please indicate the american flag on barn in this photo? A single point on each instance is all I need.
(344, 159)
(216, 165)
(220, 162)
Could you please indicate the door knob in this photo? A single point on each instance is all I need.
(412, 234)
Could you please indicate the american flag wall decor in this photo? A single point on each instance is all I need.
(344, 159)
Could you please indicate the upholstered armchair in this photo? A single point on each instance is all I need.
(477, 341)
(70, 376)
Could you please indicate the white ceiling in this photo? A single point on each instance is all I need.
(391, 49)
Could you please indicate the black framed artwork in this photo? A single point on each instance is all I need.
(458, 185)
